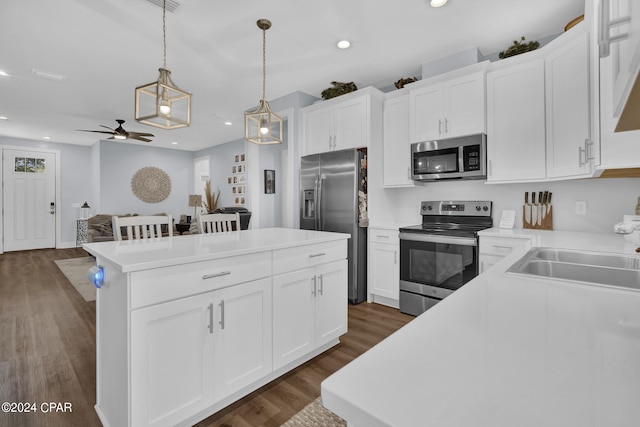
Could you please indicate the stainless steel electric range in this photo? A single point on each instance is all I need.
(440, 255)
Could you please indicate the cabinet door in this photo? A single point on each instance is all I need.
(318, 130)
(293, 316)
(516, 123)
(351, 124)
(396, 145)
(331, 301)
(568, 110)
(465, 106)
(384, 270)
(242, 336)
(172, 344)
(625, 53)
(426, 115)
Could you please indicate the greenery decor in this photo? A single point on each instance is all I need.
(517, 48)
(211, 198)
(400, 83)
(338, 89)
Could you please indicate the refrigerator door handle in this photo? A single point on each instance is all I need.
(320, 226)
(316, 201)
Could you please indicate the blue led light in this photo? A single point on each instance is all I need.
(96, 276)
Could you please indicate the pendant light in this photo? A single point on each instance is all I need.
(262, 126)
(161, 103)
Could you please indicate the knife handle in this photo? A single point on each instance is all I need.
(526, 197)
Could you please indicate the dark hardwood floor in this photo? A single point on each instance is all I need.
(47, 351)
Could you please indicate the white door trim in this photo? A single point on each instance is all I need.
(58, 205)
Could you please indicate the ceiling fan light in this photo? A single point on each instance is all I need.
(438, 3)
(119, 137)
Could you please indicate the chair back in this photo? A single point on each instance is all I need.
(141, 227)
(217, 223)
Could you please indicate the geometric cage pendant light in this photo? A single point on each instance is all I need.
(161, 103)
(262, 126)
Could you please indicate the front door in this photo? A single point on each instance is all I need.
(29, 197)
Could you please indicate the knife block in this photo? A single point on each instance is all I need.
(545, 224)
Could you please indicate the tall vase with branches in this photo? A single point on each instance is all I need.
(210, 198)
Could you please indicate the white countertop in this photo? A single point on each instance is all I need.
(135, 255)
(505, 351)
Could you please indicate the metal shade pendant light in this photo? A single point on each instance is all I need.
(161, 103)
(262, 126)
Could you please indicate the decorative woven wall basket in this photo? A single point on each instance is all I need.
(151, 184)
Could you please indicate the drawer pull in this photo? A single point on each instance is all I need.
(211, 276)
(317, 255)
(382, 236)
(502, 247)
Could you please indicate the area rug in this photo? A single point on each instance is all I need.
(76, 271)
(315, 415)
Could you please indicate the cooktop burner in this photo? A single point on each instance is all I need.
(462, 218)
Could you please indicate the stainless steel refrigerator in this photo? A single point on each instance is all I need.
(329, 185)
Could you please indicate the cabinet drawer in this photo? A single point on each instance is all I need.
(383, 235)
(300, 257)
(164, 284)
(503, 246)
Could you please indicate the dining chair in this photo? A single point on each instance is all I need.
(216, 223)
(141, 227)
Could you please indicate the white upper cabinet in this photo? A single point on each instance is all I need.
(341, 123)
(448, 109)
(516, 123)
(396, 144)
(570, 146)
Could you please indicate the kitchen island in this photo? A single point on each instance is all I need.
(186, 325)
(505, 350)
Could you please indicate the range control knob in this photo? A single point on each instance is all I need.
(478, 208)
(430, 207)
(485, 208)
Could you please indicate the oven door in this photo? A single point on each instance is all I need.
(442, 262)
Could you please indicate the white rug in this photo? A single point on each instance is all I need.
(315, 415)
(76, 271)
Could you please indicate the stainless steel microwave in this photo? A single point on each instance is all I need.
(454, 158)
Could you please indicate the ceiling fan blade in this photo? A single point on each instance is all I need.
(136, 134)
(106, 127)
(139, 138)
(97, 131)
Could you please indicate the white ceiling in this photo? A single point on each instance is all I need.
(105, 48)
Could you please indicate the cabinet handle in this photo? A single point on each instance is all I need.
(211, 276)
(502, 247)
(313, 292)
(440, 126)
(210, 308)
(317, 255)
(446, 125)
(395, 257)
(382, 236)
(588, 148)
(605, 26)
(581, 152)
(321, 287)
(221, 315)
(409, 172)
(330, 138)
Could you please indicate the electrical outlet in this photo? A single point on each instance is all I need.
(581, 207)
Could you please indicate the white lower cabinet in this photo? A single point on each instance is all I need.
(308, 310)
(383, 272)
(197, 350)
(495, 248)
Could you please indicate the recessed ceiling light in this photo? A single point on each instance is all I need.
(438, 3)
(344, 44)
(174, 143)
(4, 118)
(228, 123)
(4, 74)
(46, 137)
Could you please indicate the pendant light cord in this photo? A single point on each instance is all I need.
(264, 62)
(164, 33)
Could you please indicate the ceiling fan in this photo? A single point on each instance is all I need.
(120, 133)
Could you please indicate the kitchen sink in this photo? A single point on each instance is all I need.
(581, 266)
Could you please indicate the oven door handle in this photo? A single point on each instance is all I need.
(432, 238)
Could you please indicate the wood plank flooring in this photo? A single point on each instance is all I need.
(47, 351)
